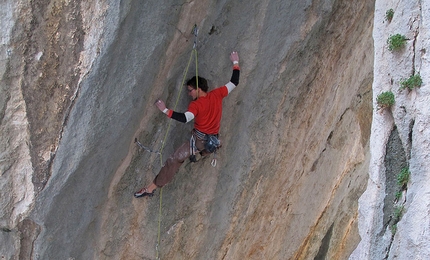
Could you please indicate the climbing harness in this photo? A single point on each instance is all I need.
(211, 143)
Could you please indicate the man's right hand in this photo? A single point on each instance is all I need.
(160, 104)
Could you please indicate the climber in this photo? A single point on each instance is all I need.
(206, 110)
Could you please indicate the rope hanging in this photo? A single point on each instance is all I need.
(194, 51)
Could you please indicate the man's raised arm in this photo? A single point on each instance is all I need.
(234, 81)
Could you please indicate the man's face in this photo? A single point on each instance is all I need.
(192, 92)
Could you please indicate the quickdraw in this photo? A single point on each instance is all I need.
(145, 148)
(195, 32)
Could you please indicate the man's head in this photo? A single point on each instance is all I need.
(203, 84)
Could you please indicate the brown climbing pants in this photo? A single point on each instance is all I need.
(175, 160)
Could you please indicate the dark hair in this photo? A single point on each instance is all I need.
(203, 84)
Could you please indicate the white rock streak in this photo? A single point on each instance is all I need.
(412, 238)
(16, 188)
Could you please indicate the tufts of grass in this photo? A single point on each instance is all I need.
(412, 82)
(389, 15)
(394, 229)
(403, 177)
(385, 99)
(396, 42)
(398, 213)
(398, 195)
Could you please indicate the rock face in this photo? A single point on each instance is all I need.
(394, 217)
(78, 85)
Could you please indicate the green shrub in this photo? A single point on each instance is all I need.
(396, 42)
(403, 177)
(412, 82)
(398, 195)
(394, 229)
(385, 99)
(398, 212)
(389, 15)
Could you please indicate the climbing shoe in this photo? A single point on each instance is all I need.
(143, 192)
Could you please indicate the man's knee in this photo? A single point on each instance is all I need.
(182, 153)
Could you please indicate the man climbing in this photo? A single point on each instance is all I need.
(206, 110)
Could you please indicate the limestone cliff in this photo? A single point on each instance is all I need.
(79, 80)
(394, 216)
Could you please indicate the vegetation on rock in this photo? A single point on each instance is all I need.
(389, 15)
(385, 99)
(403, 177)
(396, 42)
(412, 82)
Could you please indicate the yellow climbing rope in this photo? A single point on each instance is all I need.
(194, 51)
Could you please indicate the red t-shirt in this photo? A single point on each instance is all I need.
(207, 111)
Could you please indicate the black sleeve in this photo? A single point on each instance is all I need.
(235, 77)
(179, 117)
